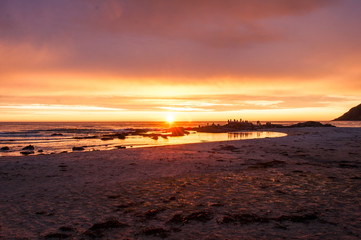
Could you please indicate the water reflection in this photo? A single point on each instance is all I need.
(57, 146)
(197, 137)
(250, 135)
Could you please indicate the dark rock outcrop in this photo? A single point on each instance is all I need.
(311, 124)
(78, 149)
(112, 136)
(354, 114)
(30, 147)
(86, 137)
(27, 152)
(4, 149)
(106, 138)
(233, 126)
(178, 131)
(56, 134)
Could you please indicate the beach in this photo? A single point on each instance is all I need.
(302, 186)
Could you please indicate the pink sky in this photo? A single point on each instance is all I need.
(115, 60)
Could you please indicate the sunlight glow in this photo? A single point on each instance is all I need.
(186, 109)
(170, 118)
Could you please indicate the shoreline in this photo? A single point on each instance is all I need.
(304, 184)
(134, 142)
(31, 139)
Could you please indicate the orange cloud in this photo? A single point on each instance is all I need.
(181, 55)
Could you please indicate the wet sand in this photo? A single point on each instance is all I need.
(303, 186)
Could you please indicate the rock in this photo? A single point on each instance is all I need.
(86, 137)
(112, 136)
(310, 124)
(121, 136)
(107, 138)
(177, 131)
(29, 147)
(354, 114)
(40, 151)
(90, 137)
(27, 152)
(138, 131)
(56, 134)
(4, 149)
(78, 149)
(231, 126)
(271, 125)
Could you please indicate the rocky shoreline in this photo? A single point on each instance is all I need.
(155, 134)
(235, 125)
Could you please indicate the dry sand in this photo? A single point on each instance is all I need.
(303, 186)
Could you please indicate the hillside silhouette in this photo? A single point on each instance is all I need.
(354, 114)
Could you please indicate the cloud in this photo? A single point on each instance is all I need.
(48, 107)
(186, 55)
(186, 103)
(152, 38)
(186, 109)
(214, 22)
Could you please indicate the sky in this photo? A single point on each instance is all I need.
(146, 60)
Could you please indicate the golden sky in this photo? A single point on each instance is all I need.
(116, 60)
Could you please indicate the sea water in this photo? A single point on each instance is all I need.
(57, 137)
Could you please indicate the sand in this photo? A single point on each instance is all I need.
(303, 186)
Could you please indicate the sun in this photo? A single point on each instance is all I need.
(170, 118)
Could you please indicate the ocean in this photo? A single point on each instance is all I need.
(58, 137)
